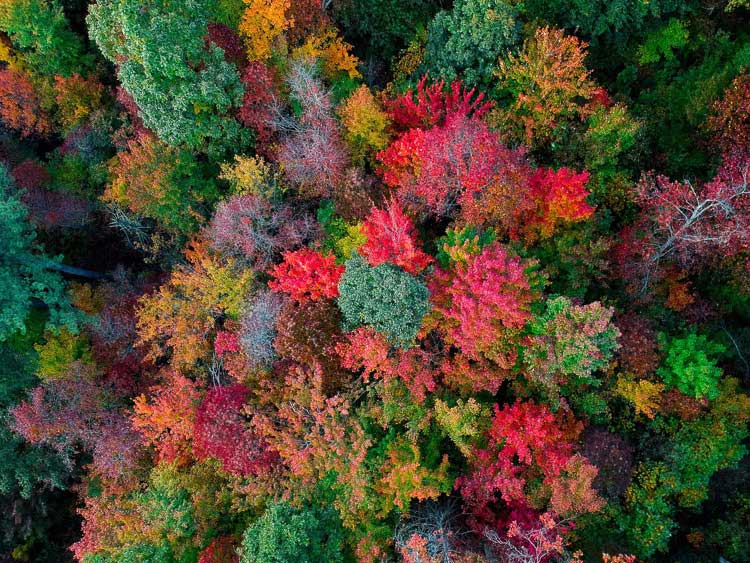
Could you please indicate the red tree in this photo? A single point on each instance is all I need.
(307, 275)
(257, 104)
(485, 304)
(528, 461)
(391, 237)
(222, 433)
(368, 351)
(227, 39)
(431, 105)
(221, 550)
(687, 224)
(30, 175)
(558, 195)
(437, 170)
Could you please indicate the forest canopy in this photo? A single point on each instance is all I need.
(419, 281)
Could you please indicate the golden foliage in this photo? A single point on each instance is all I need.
(181, 314)
(262, 25)
(643, 394)
(332, 50)
(250, 175)
(365, 124)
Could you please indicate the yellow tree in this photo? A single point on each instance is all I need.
(262, 24)
(178, 318)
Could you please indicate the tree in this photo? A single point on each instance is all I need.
(546, 82)
(528, 451)
(221, 432)
(466, 42)
(685, 223)
(405, 477)
(20, 107)
(643, 394)
(284, 533)
(460, 168)
(333, 54)
(318, 439)
(32, 476)
(27, 276)
(570, 343)
(251, 175)
(312, 151)
(184, 89)
(391, 237)
(165, 417)
(434, 104)
(458, 244)
(369, 352)
(382, 27)
(608, 25)
(384, 297)
(40, 32)
(559, 197)
(483, 306)
(79, 411)
(729, 121)
(262, 25)
(258, 327)
(174, 320)
(257, 103)
(690, 365)
(531, 542)
(365, 125)
(443, 169)
(221, 550)
(163, 183)
(307, 275)
(77, 98)
(306, 334)
(648, 521)
(432, 533)
(256, 231)
(58, 353)
(464, 423)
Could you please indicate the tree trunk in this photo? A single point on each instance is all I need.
(73, 271)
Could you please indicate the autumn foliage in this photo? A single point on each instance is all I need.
(20, 107)
(391, 237)
(221, 432)
(362, 281)
(307, 275)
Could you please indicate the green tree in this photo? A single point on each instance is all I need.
(167, 184)
(648, 519)
(27, 276)
(605, 22)
(384, 297)
(467, 42)
(663, 42)
(690, 365)
(185, 90)
(40, 32)
(284, 533)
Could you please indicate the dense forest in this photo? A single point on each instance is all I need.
(338, 281)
